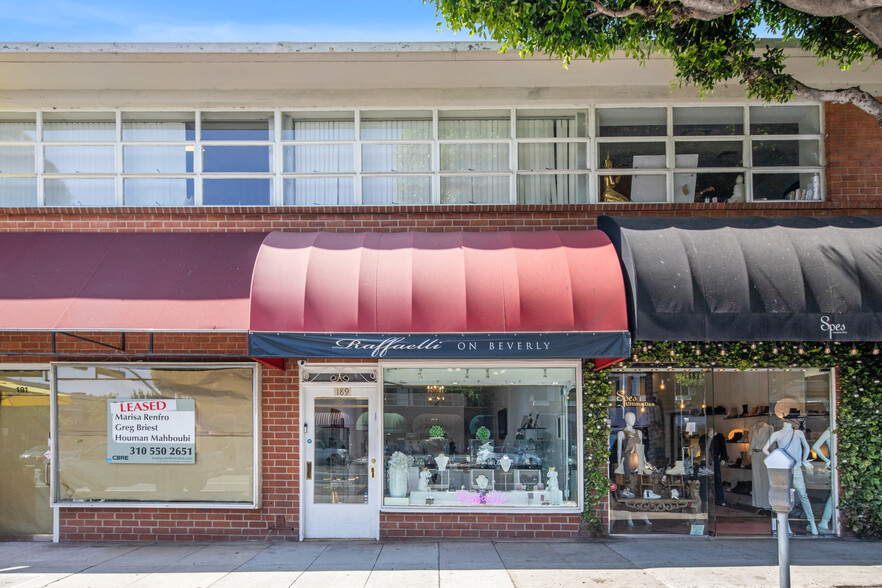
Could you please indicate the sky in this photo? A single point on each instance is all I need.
(249, 21)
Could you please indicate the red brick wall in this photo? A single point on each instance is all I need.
(413, 218)
(854, 156)
(472, 525)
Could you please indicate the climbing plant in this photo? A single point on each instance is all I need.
(858, 423)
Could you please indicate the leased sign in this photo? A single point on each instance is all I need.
(151, 431)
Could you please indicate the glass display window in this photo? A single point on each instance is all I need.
(710, 431)
(147, 434)
(661, 458)
(481, 437)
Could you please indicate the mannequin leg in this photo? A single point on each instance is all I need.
(799, 487)
(827, 517)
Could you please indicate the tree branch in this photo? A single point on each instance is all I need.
(643, 11)
(831, 7)
(863, 100)
(869, 22)
(860, 98)
(711, 9)
(679, 10)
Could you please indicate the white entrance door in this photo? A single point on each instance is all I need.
(340, 476)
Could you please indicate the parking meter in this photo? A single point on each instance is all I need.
(779, 465)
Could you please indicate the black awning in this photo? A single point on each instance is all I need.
(751, 279)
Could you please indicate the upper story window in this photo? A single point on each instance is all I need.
(665, 153)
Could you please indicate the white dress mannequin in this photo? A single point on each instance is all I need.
(794, 443)
(827, 517)
(630, 448)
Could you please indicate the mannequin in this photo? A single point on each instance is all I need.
(759, 436)
(553, 488)
(827, 517)
(715, 451)
(631, 457)
(794, 444)
(441, 461)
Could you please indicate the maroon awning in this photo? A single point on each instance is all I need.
(126, 281)
(503, 282)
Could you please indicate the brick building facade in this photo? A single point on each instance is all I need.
(852, 163)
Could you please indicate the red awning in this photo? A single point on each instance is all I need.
(126, 281)
(438, 283)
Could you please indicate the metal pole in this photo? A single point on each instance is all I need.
(783, 550)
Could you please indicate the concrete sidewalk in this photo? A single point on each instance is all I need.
(644, 563)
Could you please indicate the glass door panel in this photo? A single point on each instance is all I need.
(741, 421)
(24, 453)
(341, 464)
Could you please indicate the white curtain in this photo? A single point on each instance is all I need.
(396, 157)
(79, 192)
(380, 190)
(332, 158)
(155, 159)
(16, 130)
(548, 189)
(79, 131)
(321, 191)
(475, 157)
(18, 191)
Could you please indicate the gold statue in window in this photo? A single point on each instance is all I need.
(609, 185)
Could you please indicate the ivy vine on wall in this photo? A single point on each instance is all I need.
(858, 422)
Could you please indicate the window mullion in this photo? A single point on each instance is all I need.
(197, 160)
(358, 163)
(118, 161)
(39, 159)
(278, 160)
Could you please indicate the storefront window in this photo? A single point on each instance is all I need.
(688, 450)
(139, 433)
(663, 452)
(486, 437)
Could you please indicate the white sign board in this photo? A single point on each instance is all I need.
(151, 431)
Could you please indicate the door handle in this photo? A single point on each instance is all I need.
(309, 470)
(46, 473)
(373, 472)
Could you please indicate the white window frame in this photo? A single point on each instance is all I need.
(257, 440)
(593, 170)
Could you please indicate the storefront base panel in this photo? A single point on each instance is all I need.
(477, 525)
(172, 525)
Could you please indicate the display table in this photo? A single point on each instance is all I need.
(471, 498)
